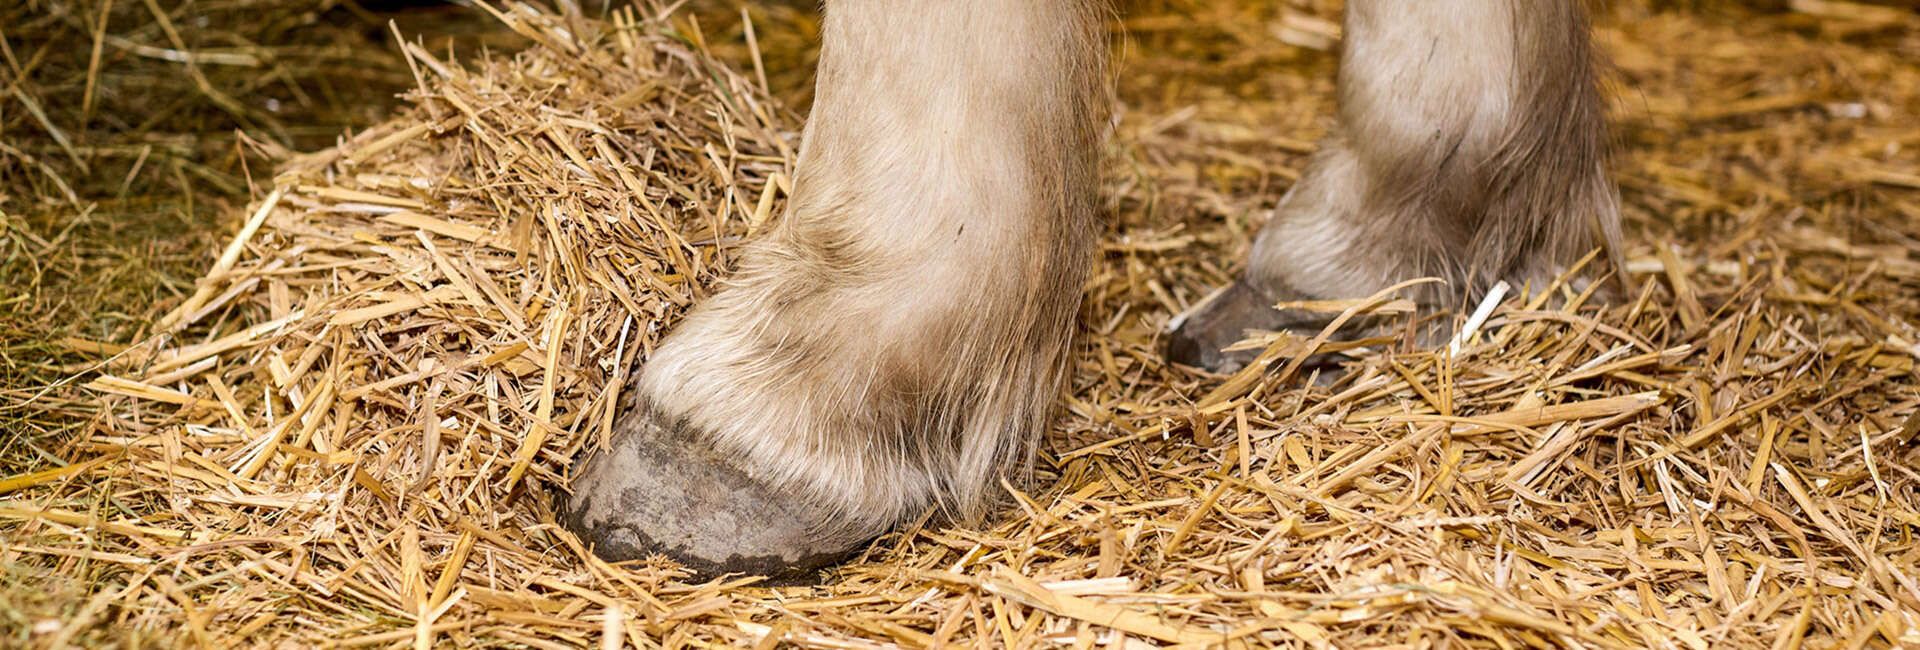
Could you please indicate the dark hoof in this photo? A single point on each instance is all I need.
(1201, 335)
(657, 492)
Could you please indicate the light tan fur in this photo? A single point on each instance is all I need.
(1470, 146)
(896, 340)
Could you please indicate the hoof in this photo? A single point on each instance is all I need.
(1200, 336)
(660, 492)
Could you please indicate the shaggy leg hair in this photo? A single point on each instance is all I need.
(1470, 146)
(895, 341)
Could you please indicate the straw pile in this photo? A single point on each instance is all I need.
(348, 431)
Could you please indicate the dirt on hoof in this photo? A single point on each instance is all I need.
(656, 491)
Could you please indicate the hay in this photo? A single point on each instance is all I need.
(127, 171)
(351, 430)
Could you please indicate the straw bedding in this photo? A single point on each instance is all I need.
(349, 431)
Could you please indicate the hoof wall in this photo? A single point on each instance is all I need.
(660, 493)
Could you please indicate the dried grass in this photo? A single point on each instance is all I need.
(350, 431)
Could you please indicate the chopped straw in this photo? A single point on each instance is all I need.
(349, 431)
